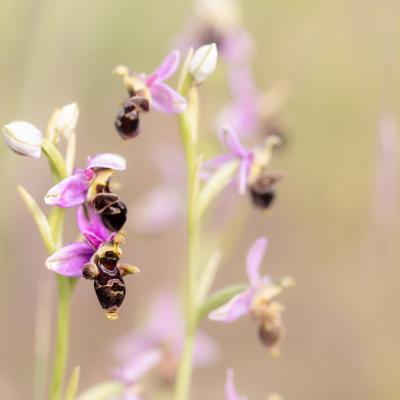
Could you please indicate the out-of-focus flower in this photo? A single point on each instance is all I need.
(92, 185)
(230, 388)
(219, 22)
(203, 63)
(71, 259)
(253, 110)
(162, 207)
(163, 335)
(147, 92)
(236, 151)
(257, 300)
(65, 119)
(252, 172)
(23, 138)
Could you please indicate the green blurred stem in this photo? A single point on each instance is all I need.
(62, 339)
(65, 286)
(188, 130)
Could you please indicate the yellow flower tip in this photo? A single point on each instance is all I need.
(112, 315)
(275, 352)
(121, 70)
(287, 282)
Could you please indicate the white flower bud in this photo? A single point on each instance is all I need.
(23, 138)
(203, 62)
(66, 119)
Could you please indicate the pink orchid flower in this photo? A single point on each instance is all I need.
(70, 259)
(164, 98)
(236, 151)
(240, 304)
(160, 343)
(72, 191)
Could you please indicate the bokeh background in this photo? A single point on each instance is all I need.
(335, 226)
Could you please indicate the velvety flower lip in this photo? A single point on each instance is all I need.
(236, 151)
(240, 304)
(72, 191)
(164, 98)
(230, 388)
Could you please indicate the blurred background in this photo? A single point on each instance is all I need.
(335, 225)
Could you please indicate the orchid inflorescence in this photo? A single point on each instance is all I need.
(170, 344)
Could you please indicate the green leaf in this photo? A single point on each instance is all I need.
(103, 391)
(221, 178)
(220, 298)
(56, 160)
(207, 275)
(39, 218)
(56, 222)
(72, 387)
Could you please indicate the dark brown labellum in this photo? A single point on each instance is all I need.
(127, 122)
(271, 334)
(262, 192)
(109, 285)
(114, 216)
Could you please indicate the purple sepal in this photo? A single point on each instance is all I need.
(92, 227)
(71, 191)
(70, 259)
(230, 388)
(107, 161)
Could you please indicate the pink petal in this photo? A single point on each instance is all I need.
(243, 176)
(107, 161)
(230, 388)
(254, 258)
(166, 69)
(166, 99)
(230, 139)
(70, 259)
(206, 350)
(70, 192)
(92, 227)
(237, 307)
(157, 211)
(138, 366)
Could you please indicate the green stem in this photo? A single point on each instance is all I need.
(62, 339)
(188, 129)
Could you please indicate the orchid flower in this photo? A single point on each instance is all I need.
(219, 22)
(257, 300)
(236, 151)
(72, 191)
(70, 259)
(162, 335)
(152, 87)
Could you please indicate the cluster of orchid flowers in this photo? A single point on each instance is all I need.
(101, 214)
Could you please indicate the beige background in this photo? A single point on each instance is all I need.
(342, 318)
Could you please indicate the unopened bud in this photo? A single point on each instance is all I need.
(66, 119)
(203, 62)
(23, 138)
